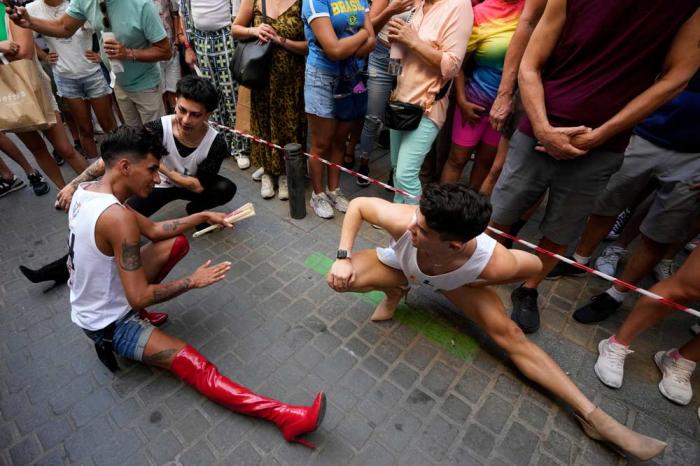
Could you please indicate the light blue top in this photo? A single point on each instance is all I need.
(137, 25)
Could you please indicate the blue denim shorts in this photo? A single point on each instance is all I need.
(89, 87)
(131, 333)
(318, 92)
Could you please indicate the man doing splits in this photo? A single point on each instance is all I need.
(442, 244)
(112, 278)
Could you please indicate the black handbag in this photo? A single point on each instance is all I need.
(403, 116)
(250, 66)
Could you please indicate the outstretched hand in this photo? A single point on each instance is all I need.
(208, 274)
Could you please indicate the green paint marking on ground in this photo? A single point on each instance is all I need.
(441, 333)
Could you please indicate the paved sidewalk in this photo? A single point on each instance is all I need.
(425, 388)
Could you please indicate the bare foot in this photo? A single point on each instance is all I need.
(387, 307)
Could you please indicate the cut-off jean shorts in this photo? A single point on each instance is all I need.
(131, 333)
(89, 87)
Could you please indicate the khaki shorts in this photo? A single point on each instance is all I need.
(140, 107)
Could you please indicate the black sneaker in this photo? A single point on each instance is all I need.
(38, 184)
(525, 311)
(619, 225)
(600, 308)
(562, 269)
(363, 169)
(59, 160)
(9, 186)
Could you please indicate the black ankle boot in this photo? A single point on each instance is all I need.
(56, 271)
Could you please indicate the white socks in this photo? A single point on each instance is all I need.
(581, 259)
(618, 296)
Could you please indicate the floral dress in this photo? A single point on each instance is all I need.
(279, 116)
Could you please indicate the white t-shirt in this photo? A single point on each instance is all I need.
(211, 15)
(71, 51)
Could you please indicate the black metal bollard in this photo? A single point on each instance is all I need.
(295, 162)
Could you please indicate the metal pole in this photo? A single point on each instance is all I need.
(295, 162)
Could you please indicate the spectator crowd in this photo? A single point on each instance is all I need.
(590, 107)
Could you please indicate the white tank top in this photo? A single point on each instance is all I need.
(97, 296)
(406, 256)
(186, 166)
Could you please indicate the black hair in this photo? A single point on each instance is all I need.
(455, 211)
(132, 142)
(199, 90)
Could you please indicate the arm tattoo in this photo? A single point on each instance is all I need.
(91, 173)
(171, 226)
(168, 291)
(131, 256)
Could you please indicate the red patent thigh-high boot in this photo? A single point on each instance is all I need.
(293, 421)
(179, 250)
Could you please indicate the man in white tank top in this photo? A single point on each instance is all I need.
(189, 170)
(441, 244)
(112, 277)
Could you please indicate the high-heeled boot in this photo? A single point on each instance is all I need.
(179, 250)
(56, 271)
(293, 421)
(599, 426)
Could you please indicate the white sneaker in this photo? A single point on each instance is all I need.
(609, 259)
(664, 269)
(267, 189)
(338, 199)
(675, 383)
(243, 161)
(257, 174)
(321, 205)
(610, 366)
(282, 189)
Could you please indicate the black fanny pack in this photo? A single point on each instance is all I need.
(403, 116)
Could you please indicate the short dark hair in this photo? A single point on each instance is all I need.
(455, 211)
(199, 90)
(132, 142)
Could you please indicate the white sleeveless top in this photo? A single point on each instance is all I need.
(186, 166)
(402, 255)
(97, 296)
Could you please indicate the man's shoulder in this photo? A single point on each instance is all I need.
(501, 264)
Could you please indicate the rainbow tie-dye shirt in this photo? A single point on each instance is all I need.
(494, 25)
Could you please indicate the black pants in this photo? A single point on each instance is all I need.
(218, 192)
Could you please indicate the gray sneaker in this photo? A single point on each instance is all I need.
(321, 205)
(338, 199)
(609, 259)
(8, 186)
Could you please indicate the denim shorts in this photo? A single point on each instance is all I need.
(89, 87)
(318, 92)
(131, 333)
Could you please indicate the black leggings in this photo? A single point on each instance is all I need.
(217, 192)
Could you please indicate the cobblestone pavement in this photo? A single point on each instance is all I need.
(426, 388)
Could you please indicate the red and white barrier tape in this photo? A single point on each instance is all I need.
(525, 243)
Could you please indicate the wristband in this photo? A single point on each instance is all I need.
(187, 45)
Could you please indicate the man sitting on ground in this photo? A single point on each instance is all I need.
(189, 171)
(442, 244)
(112, 278)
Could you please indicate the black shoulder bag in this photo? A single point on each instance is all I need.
(251, 60)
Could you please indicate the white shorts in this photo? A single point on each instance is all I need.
(170, 70)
